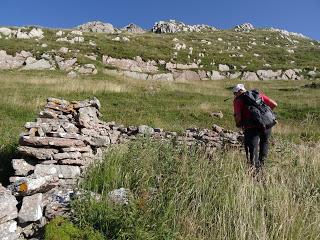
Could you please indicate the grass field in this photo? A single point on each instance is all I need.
(196, 198)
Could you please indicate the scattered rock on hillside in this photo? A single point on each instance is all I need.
(133, 28)
(97, 26)
(173, 26)
(287, 33)
(41, 64)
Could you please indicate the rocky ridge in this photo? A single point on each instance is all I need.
(173, 26)
(57, 148)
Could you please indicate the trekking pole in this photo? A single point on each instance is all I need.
(227, 99)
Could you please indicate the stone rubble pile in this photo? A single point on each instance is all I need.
(21, 33)
(173, 26)
(59, 146)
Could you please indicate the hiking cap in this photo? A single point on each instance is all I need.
(238, 87)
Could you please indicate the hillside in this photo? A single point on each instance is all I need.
(151, 132)
(202, 53)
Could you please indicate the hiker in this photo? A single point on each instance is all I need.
(257, 127)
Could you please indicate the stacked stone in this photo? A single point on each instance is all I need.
(57, 147)
(55, 150)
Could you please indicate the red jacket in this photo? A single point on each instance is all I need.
(242, 113)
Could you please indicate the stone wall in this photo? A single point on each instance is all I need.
(59, 146)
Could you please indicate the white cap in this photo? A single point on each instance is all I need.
(238, 87)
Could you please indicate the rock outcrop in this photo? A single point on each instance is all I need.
(96, 26)
(245, 27)
(173, 26)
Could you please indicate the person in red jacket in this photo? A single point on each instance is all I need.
(256, 139)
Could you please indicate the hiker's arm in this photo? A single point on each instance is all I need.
(271, 103)
(237, 109)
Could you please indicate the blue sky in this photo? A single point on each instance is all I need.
(301, 16)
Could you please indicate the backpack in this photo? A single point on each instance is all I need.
(261, 114)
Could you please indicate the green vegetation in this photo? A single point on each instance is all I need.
(62, 229)
(235, 49)
(178, 193)
(196, 198)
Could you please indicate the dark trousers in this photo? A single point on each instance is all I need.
(256, 144)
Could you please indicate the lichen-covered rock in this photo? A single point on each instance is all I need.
(8, 230)
(119, 196)
(21, 167)
(96, 26)
(173, 26)
(8, 209)
(61, 171)
(31, 209)
(50, 142)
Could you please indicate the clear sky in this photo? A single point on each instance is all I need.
(301, 16)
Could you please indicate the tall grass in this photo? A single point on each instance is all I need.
(180, 193)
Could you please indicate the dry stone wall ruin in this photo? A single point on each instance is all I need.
(57, 148)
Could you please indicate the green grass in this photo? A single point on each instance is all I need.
(201, 198)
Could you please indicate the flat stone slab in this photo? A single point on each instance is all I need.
(38, 153)
(50, 142)
(31, 209)
(61, 171)
(8, 209)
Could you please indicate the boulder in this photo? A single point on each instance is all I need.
(119, 196)
(96, 26)
(173, 26)
(130, 65)
(224, 68)
(234, 75)
(10, 62)
(133, 28)
(269, 74)
(5, 31)
(67, 65)
(61, 171)
(21, 167)
(31, 210)
(216, 75)
(41, 64)
(8, 209)
(36, 33)
(22, 35)
(250, 76)
(146, 130)
(161, 77)
(290, 74)
(245, 27)
(135, 75)
(186, 76)
(88, 69)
